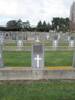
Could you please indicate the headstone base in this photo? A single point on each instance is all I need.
(19, 48)
(37, 74)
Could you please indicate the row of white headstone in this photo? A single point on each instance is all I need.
(55, 43)
(37, 51)
(56, 39)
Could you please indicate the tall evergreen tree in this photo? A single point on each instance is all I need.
(39, 26)
(44, 26)
(48, 27)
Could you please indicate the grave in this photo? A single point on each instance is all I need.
(55, 41)
(1, 39)
(14, 36)
(73, 64)
(37, 39)
(37, 60)
(1, 47)
(71, 41)
(19, 44)
(1, 58)
(47, 36)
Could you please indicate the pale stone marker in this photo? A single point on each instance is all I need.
(48, 37)
(1, 45)
(58, 36)
(13, 36)
(1, 57)
(37, 60)
(55, 41)
(73, 64)
(37, 39)
(71, 41)
(19, 44)
(1, 39)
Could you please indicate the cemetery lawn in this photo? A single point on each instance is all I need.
(59, 58)
(38, 90)
(17, 59)
(48, 43)
(15, 44)
(52, 58)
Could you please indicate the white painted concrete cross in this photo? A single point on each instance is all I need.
(0, 55)
(71, 43)
(37, 58)
(37, 40)
(47, 37)
(55, 43)
(20, 43)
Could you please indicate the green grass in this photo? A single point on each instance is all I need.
(58, 58)
(46, 43)
(52, 58)
(10, 44)
(14, 58)
(15, 44)
(50, 90)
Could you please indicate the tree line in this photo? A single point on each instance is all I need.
(58, 24)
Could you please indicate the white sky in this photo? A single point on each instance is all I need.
(33, 10)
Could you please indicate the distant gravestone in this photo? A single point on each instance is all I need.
(1, 57)
(55, 41)
(58, 36)
(1, 39)
(14, 36)
(73, 64)
(71, 41)
(19, 44)
(47, 36)
(37, 60)
(1, 47)
(37, 39)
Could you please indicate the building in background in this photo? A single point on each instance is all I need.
(72, 17)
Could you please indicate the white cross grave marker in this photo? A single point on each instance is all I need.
(55, 43)
(71, 43)
(37, 40)
(0, 55)
(47, 37)
(20, 43)
(37, 58)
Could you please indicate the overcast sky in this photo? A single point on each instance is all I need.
(33, 10)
